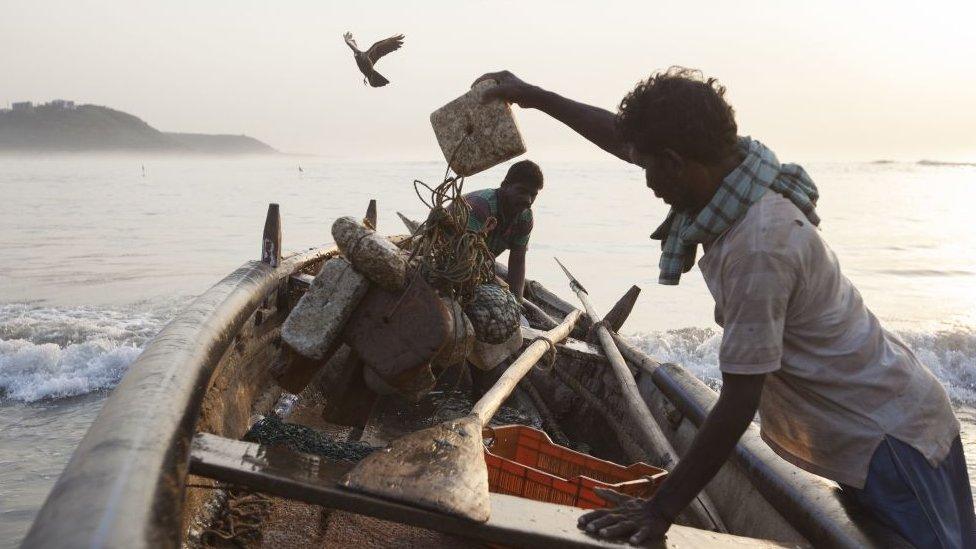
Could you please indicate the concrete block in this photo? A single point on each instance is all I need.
(315, 324)
(489, 131)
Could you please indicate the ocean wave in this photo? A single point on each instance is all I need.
(949, 354)
(58, 352)
(694, 348)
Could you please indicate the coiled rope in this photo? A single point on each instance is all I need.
(448, 255)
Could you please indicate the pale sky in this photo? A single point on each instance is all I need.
(813, 80)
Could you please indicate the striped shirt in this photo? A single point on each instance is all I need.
(838, 382)
(507, 235)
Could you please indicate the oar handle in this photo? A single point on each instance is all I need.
(702, 509)
(486, 407)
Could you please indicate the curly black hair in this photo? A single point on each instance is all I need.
(525, 171)
(681, 110)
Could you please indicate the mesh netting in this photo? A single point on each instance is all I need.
(494, 313)
(271, 431)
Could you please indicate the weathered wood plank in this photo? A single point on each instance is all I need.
(271, 239)
(370, 219)
(572, 347)
(514, 522)
(535, 314)
(618, 314)
(301, 281)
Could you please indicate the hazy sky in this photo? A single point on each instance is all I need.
(814, 80)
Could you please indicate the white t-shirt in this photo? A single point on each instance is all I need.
(838, 382)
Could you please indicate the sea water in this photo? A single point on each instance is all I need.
(95, 258)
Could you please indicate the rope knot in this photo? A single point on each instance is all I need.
(549, 357)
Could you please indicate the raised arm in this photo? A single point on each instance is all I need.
(593, 123)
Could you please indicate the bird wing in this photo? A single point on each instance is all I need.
(350, 41)
(384, 47)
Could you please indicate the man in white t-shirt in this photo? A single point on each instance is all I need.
(837, 394)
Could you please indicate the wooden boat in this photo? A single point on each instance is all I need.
(143, 474)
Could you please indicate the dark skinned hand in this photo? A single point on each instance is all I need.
(633, 518)
(510, 88)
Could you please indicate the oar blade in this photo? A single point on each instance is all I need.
(440, 468)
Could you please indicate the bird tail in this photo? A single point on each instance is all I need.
(376, 79)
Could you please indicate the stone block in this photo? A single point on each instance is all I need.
(370, 253)
(489, 132)
(314, 326)
(459, 343)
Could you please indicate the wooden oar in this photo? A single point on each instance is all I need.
(702, 511)
(443, 467)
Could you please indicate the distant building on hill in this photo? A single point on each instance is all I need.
(54, 104)
(62, 104)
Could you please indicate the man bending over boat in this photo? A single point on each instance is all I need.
(505, 214)
(837, 394)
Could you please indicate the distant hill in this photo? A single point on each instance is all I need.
(221, 144)
(941, 163)
(54, 127)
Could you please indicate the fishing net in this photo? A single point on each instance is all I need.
(271, 431)
(494, 313)
(454, 404)
(447, 405)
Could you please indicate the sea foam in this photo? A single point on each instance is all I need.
(949, 354)
(59, 352)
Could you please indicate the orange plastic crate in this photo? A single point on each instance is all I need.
(524, 462)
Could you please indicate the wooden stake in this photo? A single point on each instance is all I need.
(614, 320)
(370, 219)
(271, 240)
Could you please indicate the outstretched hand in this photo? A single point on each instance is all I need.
(510, 89)
(633, 518)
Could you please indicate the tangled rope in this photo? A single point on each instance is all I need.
(445, 253)
(549, 358)
(240, 521)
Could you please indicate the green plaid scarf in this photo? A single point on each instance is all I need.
(681, 233)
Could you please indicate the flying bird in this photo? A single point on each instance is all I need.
(366, 59)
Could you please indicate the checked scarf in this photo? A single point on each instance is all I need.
(681, 233)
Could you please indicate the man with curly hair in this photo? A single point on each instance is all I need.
(504, 214)
(837, 394)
